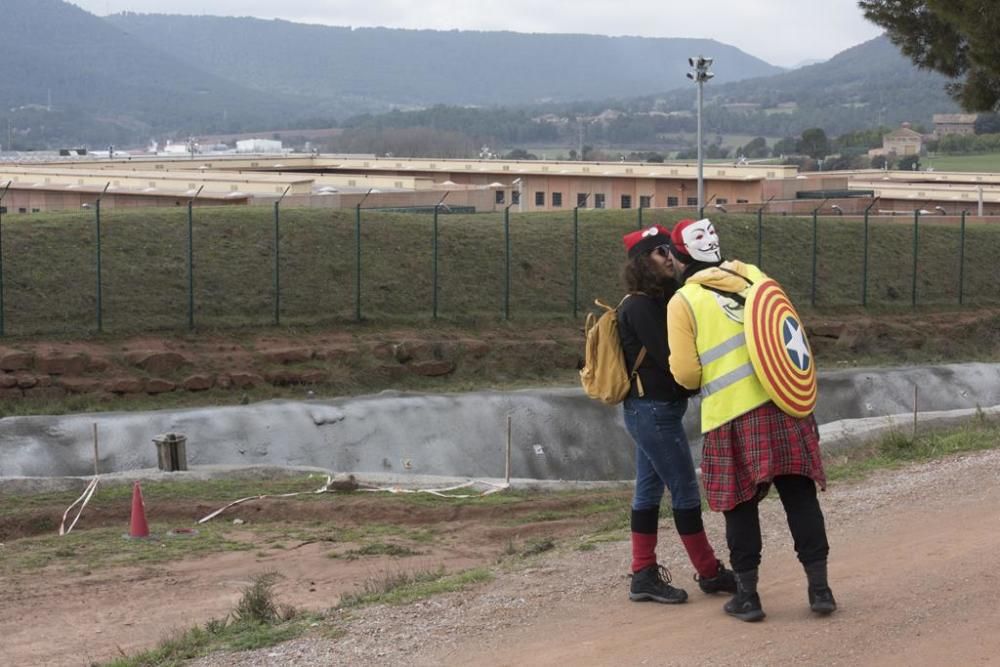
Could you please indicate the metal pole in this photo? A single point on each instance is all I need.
(277, 263)
(640, 217)
(576, 259)
(506, 263)
(97, 234)
(916, 237)
(961, 261)
(357, 257)
(701, 156)
(277, 257)
(434, 257)
(812, 298)
(434, 265)
(864, 265)
(2, 195)
(760, 237)
(190, 250)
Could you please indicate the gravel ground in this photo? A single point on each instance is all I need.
(533, 592)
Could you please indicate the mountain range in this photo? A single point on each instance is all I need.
(70, 77)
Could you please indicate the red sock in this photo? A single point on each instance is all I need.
(643, 550)
(701, 554)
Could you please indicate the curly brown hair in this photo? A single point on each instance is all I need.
(640, 275)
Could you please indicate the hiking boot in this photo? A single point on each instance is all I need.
(745, 605)
(724, 581)
(821, 599)
(653, 583)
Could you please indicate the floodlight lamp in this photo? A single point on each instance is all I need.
(707, 75)
(706, 62)
(691, 62)
(690, 76)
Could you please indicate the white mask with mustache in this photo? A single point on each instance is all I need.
(701, 241)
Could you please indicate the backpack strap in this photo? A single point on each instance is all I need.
(731, 295)
(634, 375)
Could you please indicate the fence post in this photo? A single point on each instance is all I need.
(961, 261)
(640, 217)
(864, 264)
(2, 195)
(916, 237)
(506, 262)
(190, 249)
(277, 257)
(576, 259)
(97, 234)
(812, 298)
(760, 237)
(434, 264)
(357, 257)
(277, 263)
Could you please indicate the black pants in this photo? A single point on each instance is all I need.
(805, 521)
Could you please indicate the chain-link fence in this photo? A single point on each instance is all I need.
(155, 269)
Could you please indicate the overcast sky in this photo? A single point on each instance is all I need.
(782, 32)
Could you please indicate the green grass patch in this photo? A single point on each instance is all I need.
(405, 587)
(257, 621)
(87, 550)
(899, 447)
(989, 162)
(51, 274)
(377, 549)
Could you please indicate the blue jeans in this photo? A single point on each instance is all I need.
(662, 454)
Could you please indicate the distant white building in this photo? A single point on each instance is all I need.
(258, 146)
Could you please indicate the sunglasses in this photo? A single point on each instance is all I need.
(662, 251)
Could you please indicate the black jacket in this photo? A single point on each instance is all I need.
(642, 320)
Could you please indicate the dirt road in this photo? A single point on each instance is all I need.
(914, 567)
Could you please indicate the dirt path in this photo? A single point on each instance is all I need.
(913, 567)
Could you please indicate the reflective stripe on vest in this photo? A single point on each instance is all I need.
(729, 387)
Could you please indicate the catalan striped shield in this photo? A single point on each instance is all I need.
(779, 350)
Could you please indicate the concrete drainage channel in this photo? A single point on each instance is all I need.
(556, 434)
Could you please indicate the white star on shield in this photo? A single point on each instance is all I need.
(795, 343)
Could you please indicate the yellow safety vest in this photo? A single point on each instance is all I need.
(729, 387)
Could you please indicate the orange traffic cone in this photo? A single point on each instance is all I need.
(138, 526)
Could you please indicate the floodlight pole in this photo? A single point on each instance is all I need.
(700, 75)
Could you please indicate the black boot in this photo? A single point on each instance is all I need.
(745, 605)
(820, 596)
(653, 583)
(724, 581)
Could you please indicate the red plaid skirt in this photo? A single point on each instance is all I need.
(755, 448)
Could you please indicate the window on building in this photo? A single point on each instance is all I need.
(36, 210)
(599, 200)
(742, 201)
(581, 200)
(626, 201)
(539, 199)
(22, 210)
(645, 201)
(722, 200)
(556, 199)
(3, 209)
(500, 196)
(515, 197)
(672, 201)
(692, 201)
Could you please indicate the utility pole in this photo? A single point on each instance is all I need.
(700, 75)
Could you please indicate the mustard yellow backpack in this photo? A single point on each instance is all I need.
(604, 375)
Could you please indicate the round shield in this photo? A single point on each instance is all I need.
(779, 350)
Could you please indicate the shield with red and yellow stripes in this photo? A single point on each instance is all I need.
(779, 349)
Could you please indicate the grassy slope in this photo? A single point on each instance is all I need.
(49, 265)
(984, 162)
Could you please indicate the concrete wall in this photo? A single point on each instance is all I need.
(557, 433)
